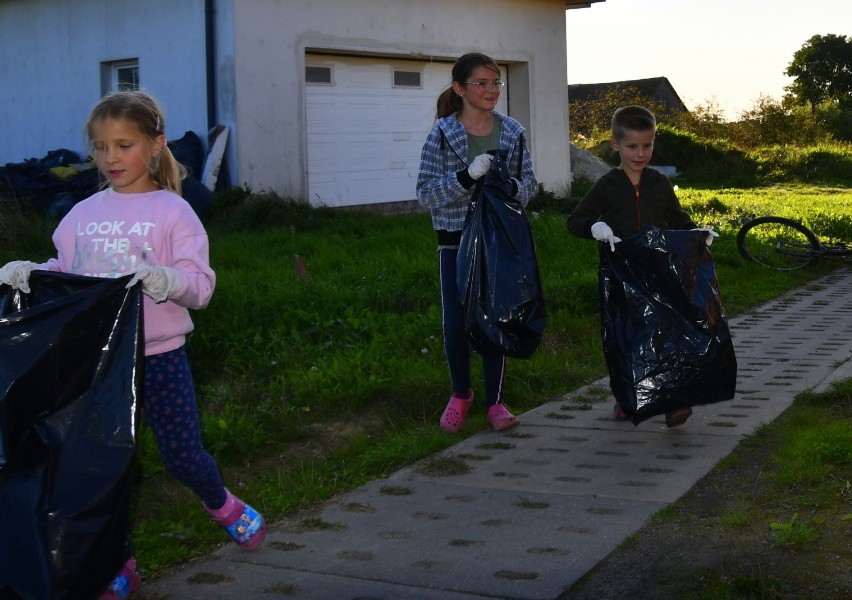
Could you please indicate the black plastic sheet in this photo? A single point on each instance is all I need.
(665, 334)
(71, 359)
(497, 269)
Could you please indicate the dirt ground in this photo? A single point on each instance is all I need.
(689, 552)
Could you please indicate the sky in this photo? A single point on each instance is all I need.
(729, 51)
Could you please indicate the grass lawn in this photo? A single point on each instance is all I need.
(319, 364)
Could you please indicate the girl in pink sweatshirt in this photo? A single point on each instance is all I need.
(141, 225)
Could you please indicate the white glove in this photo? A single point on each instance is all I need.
(603, 233)
(480, 166)
(17, 274)
(160, 283)
(710, 237)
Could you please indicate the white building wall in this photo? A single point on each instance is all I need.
(272, 36)
(50, 77)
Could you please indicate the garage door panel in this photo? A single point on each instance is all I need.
(374, 152)
(354, 116)
(382, 186)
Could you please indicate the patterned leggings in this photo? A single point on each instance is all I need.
(168, 404)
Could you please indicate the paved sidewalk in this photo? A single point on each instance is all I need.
(544, 502)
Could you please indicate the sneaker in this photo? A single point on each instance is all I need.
(455, 414)
(243, 523)
(125, 583)
(618, 413)
(500, 418)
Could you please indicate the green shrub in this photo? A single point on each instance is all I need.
(829, 163)
(704, 161)
(837, 121)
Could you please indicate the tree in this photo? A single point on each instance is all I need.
(822, 69)
(706, 120)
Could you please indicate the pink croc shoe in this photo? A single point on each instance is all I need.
(500, 418)
(243, 523)
(125, 583)
(455, 414)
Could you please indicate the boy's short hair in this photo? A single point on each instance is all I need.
(632, 118)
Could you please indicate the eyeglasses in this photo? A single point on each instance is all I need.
(483, 86)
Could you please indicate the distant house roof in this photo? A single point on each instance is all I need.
(569, 4)
(657, 88)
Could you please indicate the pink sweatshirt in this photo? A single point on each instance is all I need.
(111, 234)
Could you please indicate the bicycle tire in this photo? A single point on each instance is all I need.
(778, 243)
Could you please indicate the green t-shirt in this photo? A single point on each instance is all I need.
(480, 144)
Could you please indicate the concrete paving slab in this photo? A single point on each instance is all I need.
(636, 465)
(541, 504)
(736, 417)
(492, 542)
(218, 578)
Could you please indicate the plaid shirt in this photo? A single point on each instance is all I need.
(445, 153)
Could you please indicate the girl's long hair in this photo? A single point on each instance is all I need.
(143, 110)
(449, 102)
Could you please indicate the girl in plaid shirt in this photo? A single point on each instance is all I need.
(454, 157)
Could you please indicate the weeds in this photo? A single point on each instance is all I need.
(793, 531)
(741, 586)
(443, 466)
(801, 500)
(736, 519)
(24, 232)
(315, 524)
(528, 503)
(395, 490)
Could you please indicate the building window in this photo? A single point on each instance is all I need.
(406, 79)
(317, 74)
(120, 76)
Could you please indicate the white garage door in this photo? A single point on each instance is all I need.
(367, 119)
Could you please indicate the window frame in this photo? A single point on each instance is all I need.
(112, 75)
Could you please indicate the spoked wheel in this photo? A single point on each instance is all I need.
(778, 243)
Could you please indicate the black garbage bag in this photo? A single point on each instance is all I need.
(35, 182)
(189, 151)
(71, 360)
(497, 270)
(665, 334)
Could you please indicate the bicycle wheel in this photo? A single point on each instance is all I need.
(778, 243)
